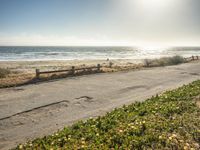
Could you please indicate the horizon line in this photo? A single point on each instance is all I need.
(92, 46)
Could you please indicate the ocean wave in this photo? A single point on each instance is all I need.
(81, 53)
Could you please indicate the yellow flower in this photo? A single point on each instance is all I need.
(20, 146)
(170, 138)
(82, 139)
(160, 137)
(133, 127)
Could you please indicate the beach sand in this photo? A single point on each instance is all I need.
(23, 72)
(30, 66)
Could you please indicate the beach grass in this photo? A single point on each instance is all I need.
(164, 61)
(166, 121)
(4, 72)
(16, 79)
(12, 78)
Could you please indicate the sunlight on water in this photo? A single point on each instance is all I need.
(92, 53)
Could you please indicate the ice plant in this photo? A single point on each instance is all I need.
(167, 121)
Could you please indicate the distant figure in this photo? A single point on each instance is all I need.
(110, 64)
(107, 59)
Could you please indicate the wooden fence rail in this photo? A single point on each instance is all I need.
(71, 71)
(192, 58)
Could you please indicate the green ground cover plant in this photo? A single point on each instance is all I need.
(167, 121)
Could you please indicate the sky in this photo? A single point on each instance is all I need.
(100, 22)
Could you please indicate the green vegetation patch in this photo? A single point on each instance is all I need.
(165, 61)
(167, 121)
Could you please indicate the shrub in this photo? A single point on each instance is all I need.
(4, 72)
(176, 60)
(164, 61)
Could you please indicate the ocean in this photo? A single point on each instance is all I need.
(38, 53)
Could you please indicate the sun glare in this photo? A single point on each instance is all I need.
(155, 5)
(153, 47)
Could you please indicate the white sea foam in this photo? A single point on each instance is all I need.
(81, 53)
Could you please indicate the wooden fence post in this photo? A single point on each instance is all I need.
(98, 67)
(37, 71)
(110, 64)
(192, 57)
(73, 70)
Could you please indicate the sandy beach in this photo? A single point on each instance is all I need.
(35, 110)
(30, 66)
(23, 72)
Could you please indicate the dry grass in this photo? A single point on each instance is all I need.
(116, 68)
(8, 78)
(15, 79)
(4, 72)
(20, 78)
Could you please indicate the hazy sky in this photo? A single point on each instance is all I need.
(100, 22)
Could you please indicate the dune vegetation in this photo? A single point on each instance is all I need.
(167, 121)
(4, 72)
(164, 61)
(11, 78)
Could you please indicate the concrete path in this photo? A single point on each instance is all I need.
(36, 110)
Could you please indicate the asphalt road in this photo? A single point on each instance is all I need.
(36, 110)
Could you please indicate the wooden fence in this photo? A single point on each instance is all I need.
(192, 58)
(71, 71)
